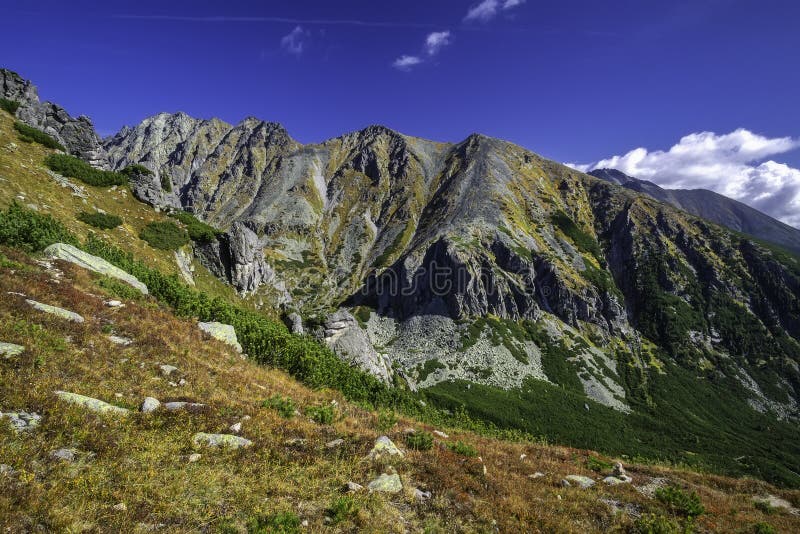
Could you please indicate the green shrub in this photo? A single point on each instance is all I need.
(658, 524)
(764, 507)
(73, 167)
(419, 441)
(164, 235)
(99, 220)
(283, 405)
(27, 132)
(342, 509)
(31, 231)
(198, 230)
(680, 502)
(597, 465)
(386, 420)
(464, 449)
(764, 528)
(119, 289)
(10, 106)
(320, 414)
(583, 240)
(166, 182)
(135, 169)
(279, 523)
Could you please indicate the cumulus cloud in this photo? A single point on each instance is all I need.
(735, 164)
(435, 41)
(488, 9)
(295, 41)
(405, 62)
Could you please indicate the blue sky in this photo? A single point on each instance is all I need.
(576, 81)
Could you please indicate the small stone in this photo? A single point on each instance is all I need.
(440, 434)
(421, 495)
(120, 507)
(352, 487)
(384, 447)
(221, 440)
(10, 350)
(291, 442)
(565, 483)
(194, 457)
(535, 475)
(119, 340)
(580, 480)
(236, 427)
(114, 304)
(335, 443)
(64, 455)
(174, 406)
(386, 484)
(619, 470)
(409, 431)
(150, 404)
(182, 382)
(522, 457)
(167, 370)
(7, 470)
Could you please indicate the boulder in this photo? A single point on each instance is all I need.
(384, 447)
(91, 404)
(63, 251)
(221, 440)
(222, 332)
(55, 310)
(10, 350)
(580, 480)
(350, 342)
(22, 421)
(386, 484)
(150, 404)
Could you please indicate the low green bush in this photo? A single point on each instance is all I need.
(764, 528)
(283, 405)
(119, 289)
(386, 420)
(680, 502)
(73, 167)
(464, 449)
(10, 106)
(31, 231)
(198, 230)
(420, 441)
(323, 415)
(164, 235)
(103, 221)
(37, 136)
(342, 509)
(278, 523)
(133, 170)
(658, 524)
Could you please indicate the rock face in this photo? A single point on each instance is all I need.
(344, 335)
(77, 135)
(221, 332)
(63, 251)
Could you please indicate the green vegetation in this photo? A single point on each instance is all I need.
(764, 528)
(73, 167)
(30, 134)
(342, 509)
(424, 370)
(680, 502)
(584, 241)
(602, 280)
(31, 231)
(659, 524)
(501, 332)
(387, 419)
(11, 106)
(283, 405)
(119, 289)
(198, 230)
(323, 415)
(597, 465)
(164, 235)
(464, 449)
(136, 170)
(103, 221)
(419, 441)
(278, 523)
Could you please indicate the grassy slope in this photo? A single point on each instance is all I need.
(142, 461)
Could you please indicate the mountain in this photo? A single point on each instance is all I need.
(712, 207)
(491, 281)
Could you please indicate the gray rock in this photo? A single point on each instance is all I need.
(580, 480)
(296, 323)
(335, 443)
(384, 447)
(7, 470)
(120, 340)
(120, 507)
(222, 332)
(349, 341)
(352, 487)
(175, 406)
(10, 350)
(420, 495)
(537, 474)
(194, 457)
(114, 304)
(184, 261)
(386, 484)
(22, 421)
(221, 440)
(55, 310)
(150, 404)
(613, 481)
(64, 455)
(236, 427)
(167, 369)
(71, 254)
(92, 404)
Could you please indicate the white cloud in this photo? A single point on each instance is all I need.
(435, 41)
(487, 9)
(406, 62)
(735, 164)
(295, 41)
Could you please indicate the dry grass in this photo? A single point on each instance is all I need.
(142, 461)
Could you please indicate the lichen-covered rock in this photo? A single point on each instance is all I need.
(580, 480)
(120, 340)
(384, 447)
(221, 440)
(10, 350)
(150, 404)
(63, 251)
(222, 332)
(55, 310)
(349, 341)
(22, 421)
(92, 404)
(64, 455)
(175, 406)
(386, 484)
